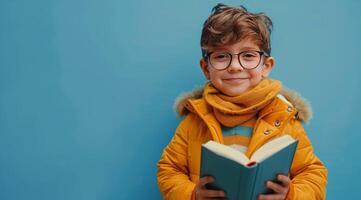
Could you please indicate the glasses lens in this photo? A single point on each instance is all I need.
(220, 60)
(250, 59)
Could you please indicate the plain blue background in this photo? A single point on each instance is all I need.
(87, 89)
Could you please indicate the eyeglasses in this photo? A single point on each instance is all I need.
(247, 59)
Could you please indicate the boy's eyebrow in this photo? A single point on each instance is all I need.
(246, 48)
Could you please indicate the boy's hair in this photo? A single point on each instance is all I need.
(228, 25)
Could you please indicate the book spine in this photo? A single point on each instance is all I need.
(247, 181)
(253, 194)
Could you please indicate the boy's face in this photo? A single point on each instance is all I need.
(235, 80)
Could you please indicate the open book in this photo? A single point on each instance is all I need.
(244, 178)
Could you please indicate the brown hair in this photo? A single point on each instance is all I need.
(228, 25)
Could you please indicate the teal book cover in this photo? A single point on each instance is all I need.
(242, 182)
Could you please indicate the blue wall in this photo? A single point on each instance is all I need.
(87, 89)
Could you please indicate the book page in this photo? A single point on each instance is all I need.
(271, 148)
(227, 152)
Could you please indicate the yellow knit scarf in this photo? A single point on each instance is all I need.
(232, 111)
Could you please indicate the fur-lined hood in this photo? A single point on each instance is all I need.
(302, 105)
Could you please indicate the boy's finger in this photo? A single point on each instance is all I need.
(270, 197)
(284, 179)
(275, 187)
(213, 193)
(205, 180)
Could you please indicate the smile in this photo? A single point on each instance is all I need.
(234, 80)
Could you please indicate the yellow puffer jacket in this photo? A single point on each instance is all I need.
(179, 166)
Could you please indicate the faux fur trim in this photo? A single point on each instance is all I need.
(181, 100)
(302, 105)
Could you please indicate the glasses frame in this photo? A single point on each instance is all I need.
(261, 53)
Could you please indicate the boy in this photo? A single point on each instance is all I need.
(239, 107)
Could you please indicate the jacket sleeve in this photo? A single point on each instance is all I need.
(308, 174)
(173, 180)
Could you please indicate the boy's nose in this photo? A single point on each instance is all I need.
(235, 65)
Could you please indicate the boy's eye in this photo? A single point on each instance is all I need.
(220, 56)
(250, 55)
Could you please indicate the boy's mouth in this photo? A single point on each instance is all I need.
(234, 80)
(237, 78)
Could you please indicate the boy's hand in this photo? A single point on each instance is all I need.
(280, 190)
(202, 193)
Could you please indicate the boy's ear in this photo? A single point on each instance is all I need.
(267, 66)
(204, 66)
